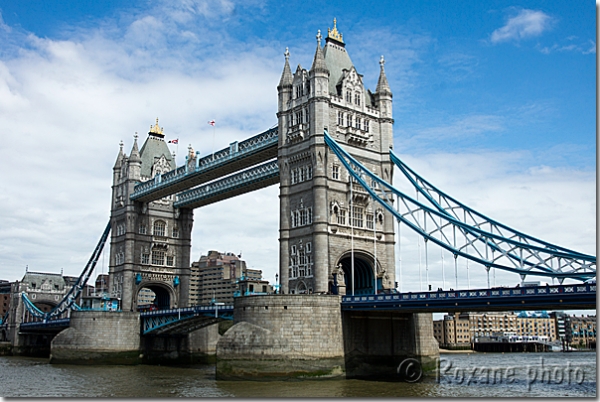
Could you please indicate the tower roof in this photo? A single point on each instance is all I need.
(336, 59)
(153, 149)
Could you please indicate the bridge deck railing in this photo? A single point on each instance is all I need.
(234, 151)
(475, 293)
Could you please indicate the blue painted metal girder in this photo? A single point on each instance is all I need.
(237, 156)
(153, 321)
(41, 326)
(578, 296)
(251, 179)
(473, 243)
(68, 301)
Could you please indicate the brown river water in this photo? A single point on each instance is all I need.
(461, 375)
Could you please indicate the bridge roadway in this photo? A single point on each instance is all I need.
(159, 322)
(237, 156)
(559, 297)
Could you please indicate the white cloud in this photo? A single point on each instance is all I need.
(526, 24)
(588, 47)
(459, 129)
(66, 104)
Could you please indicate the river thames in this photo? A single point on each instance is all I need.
(461, 375)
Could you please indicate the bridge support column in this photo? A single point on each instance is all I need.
(98, 337)
(282, 336)
(376, 343)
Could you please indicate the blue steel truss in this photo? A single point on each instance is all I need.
(68, 301)
(43, 326)
(248, 180)
(264, 144)
(153, 321)
(448, 205)
(492, 250)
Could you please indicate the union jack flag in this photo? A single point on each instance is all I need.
(212, 123)
(176, 141)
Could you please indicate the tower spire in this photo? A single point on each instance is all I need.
(135, 152)
(286, 76)
(382, 85)
(319, 59)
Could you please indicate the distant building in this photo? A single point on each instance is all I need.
(536, 324)
(582, 331)
(4, 297)
(461, 329)
(218, 276)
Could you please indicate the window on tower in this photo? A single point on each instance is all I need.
(335, 173)
(159, 228)
(158, 257)
(357, 217)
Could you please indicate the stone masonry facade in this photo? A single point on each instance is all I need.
(319, 220)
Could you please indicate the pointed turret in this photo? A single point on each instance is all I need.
(284, 89)
(135, 152)
(319, 65)
(118, 164)
(135, 161)
(286, 76)
(382, 85)
(119, 157)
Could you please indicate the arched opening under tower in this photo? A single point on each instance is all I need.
(154, 295)
(363, 271)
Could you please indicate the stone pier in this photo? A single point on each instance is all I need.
(282, 336)
(98, 337)
(388, 345)
(292, 336)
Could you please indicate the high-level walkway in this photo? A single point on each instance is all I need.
(237, 156)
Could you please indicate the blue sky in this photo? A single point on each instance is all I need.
(494, 102)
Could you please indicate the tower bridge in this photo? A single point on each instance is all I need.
(331, 153)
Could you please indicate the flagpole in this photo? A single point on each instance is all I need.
(212, 123)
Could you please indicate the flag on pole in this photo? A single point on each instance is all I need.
(175, 141)
(212, 123)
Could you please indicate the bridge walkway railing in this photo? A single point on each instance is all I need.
(237, 156)
(525, 298)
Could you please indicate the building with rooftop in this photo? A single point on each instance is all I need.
(219, 276)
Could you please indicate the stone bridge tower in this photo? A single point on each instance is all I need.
(323, 229)
(150, 242)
